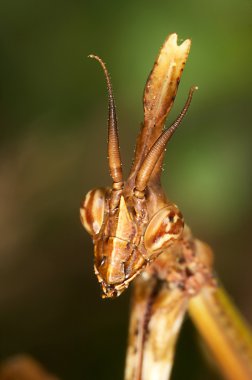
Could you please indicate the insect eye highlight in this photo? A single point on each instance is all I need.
(92, 211)
(165, 227)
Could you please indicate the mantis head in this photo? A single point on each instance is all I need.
(132, 222)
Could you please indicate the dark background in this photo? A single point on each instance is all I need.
(53, 109)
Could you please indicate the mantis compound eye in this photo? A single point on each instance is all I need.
(92, 211)
(165, 227)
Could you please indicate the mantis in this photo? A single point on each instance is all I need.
(140, 235)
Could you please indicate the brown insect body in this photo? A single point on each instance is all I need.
(137, 231)
(120, 251)
(128, 239)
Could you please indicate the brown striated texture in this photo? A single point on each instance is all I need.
(165, 227)
(159, 95)
(92, 210)
(125, 237)
(114, 157)
(156, 317)
(139, 234)
(160, 299)
(162, 84)
(147, 169)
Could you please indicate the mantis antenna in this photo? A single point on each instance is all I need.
(114, 157)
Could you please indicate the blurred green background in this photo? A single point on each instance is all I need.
(53, 111)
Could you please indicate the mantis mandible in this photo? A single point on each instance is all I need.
(138, 233)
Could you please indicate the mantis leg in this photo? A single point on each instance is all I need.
(156, 317)
(225, 332)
